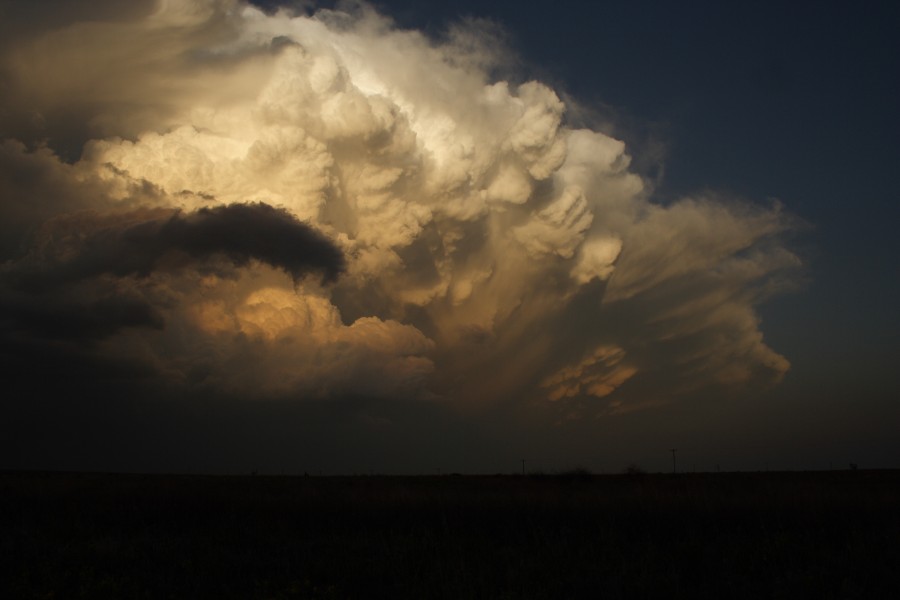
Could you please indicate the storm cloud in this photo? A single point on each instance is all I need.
(488, 251)
(85, 245)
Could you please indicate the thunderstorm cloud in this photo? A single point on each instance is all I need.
(80, 246)
(172, 174)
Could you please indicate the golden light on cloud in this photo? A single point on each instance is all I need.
(472, 220)
(597, 375)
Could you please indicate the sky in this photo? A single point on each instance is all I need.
(404, 238)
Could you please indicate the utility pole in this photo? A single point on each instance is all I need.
(523, 466)
(674, 466)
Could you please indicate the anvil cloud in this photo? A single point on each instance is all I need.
(190, 165)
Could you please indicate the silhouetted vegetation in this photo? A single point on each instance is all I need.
(577, 474)
(569, 535)
(634, 470)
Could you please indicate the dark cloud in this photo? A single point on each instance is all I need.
(67, 318)
(246, 231)
(80, 281)
(76, 247)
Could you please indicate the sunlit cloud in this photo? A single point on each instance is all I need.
(309, 205)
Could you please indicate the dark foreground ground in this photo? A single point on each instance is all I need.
(729, 535)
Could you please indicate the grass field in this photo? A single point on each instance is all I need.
(729, 535)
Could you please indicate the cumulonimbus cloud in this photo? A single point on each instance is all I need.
(492, 251)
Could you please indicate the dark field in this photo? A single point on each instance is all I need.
(729, 535)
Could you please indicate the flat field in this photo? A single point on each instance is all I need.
(724, 535)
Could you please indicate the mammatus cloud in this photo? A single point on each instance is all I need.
(489, 251)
